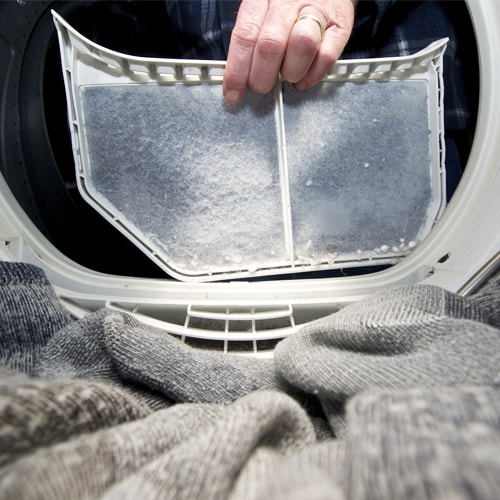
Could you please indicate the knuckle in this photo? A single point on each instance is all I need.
(271, 45)
(246, 32)
(305, 42)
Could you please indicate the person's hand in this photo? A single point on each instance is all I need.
(298, 39)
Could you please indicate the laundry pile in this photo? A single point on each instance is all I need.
(396, 396)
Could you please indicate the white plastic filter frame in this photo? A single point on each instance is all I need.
(459, 252)
(274, 245)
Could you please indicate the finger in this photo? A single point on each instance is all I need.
(303, 44)
(327, 55)
(270, 49)
(251, 16)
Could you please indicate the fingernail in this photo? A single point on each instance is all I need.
(232, 96)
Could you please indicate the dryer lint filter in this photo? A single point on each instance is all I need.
(349, 173)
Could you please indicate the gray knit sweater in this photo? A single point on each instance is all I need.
(395, 396)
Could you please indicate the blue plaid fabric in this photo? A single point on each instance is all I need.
(204, 26)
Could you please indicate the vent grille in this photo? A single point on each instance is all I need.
(247, 329)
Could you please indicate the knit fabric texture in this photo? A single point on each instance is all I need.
(395, 396)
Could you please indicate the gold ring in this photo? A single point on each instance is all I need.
(316, 20)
